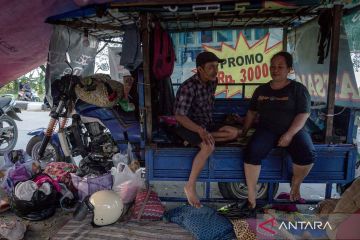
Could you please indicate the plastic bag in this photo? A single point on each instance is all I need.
(89, 184)
(126, 183)
(124, 157)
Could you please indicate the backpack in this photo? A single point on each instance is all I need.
(163, 53)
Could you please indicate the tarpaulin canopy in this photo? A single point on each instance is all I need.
(24, 35)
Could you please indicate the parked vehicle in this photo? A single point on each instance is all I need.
(8, 127)
(93, 129)
(30, 96)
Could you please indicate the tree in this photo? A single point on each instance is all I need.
(35, 77)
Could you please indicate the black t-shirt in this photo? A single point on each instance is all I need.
(278, 108)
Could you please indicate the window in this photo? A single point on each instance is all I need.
(246, 33)
(189, 38)
(224, 36)
(260, 33)
(206, 36)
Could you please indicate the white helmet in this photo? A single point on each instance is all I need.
(107, 207)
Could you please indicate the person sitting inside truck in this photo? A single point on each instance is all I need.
(193, 111)
(283, 106)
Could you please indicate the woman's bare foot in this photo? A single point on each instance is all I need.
(252, 199)
(191, 195)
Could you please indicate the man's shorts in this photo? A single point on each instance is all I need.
(191, 137)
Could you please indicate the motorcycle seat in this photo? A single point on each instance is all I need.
(4, 101)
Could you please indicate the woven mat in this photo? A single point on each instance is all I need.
(130, 230)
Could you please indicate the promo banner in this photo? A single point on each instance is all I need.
(303, 43)
(244, 64)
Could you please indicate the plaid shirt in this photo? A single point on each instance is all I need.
(195, 100)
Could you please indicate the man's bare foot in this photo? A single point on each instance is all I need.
(295, 191)
(191, 196)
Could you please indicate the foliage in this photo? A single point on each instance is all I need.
(36, 78)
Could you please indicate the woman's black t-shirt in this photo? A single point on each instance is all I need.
(278, 108)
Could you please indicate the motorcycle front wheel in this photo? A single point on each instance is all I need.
(8, 134)
(51, 152)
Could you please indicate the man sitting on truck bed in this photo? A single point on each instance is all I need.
(193, 111)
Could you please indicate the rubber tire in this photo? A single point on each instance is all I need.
(227, 191)
(36, 139)
(13, 144)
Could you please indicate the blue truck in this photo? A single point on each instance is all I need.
(168, 160)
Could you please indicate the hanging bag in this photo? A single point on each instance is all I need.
(163, 55)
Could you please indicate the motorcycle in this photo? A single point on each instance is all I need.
(93, 129)
(8, 127)
(30, 96)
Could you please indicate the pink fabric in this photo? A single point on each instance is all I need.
(24, 37)
(349, 228)
(39, 180)
(286, 207)
(169, 120)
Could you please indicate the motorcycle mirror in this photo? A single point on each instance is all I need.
(68, 59)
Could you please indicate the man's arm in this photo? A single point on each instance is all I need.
(187, 123)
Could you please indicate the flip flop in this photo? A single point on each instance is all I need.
(4, 205)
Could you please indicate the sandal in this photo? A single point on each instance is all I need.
(239, 210)
(4, 205)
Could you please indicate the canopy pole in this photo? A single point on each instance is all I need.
(145, 36)
(285, 36)
(333, 69)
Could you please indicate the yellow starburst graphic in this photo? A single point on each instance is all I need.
(244, 64)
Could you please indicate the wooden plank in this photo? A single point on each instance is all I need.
(171, 2)
(145, 37)
(333, 69)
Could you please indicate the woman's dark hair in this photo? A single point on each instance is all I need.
(287, 56)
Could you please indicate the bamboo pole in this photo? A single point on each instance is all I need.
(145, 37)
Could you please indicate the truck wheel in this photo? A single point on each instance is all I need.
(238, 190)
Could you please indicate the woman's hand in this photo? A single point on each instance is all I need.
(285, 139)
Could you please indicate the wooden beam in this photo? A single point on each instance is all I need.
(333, 69)
(78, 24)
(145, 38)
(236, 27)
(170, 2)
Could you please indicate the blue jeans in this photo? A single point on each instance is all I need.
(301, 148)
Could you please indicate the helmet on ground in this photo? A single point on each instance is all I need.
(107, 207)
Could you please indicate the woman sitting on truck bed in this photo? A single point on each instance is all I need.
(283, 106)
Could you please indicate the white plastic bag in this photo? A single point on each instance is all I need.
(125, 157)
(125, 182)
(120, 158)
